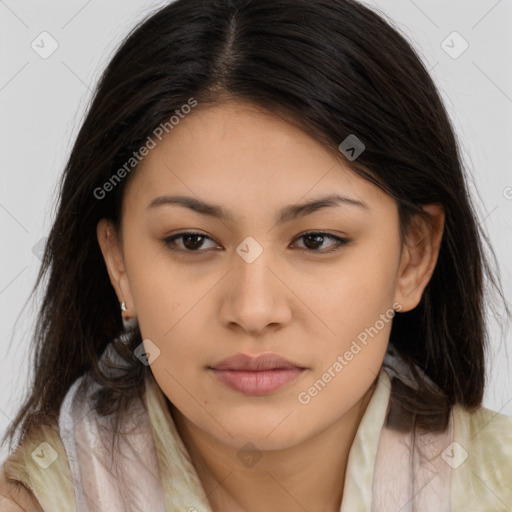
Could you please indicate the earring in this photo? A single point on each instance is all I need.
(123, 306)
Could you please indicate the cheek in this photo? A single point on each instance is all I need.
(359, 288)
(168, 304)
(162, 292)
(356, 306)
(356, 311)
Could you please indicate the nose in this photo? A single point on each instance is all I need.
(255, 296)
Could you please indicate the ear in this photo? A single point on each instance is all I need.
(114, 260)
(419, 256)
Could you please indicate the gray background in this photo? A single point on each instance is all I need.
(42, 102)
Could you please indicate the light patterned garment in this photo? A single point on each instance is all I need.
(73, 468)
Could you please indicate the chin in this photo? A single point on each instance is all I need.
(264, 436)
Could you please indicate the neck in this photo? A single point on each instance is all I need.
(307, 476)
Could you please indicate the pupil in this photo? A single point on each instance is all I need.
(192, 246)
(317, 240)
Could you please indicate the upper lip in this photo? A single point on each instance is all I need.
(260, 362)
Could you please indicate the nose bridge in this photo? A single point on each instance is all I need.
(255, 293)
(251, 267)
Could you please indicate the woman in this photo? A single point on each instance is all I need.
(320, 345)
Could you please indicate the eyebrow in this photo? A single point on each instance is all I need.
(285, 215)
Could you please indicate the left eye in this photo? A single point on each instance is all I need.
(193, 241)
(315, 238)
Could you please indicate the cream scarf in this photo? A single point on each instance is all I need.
(73, 468)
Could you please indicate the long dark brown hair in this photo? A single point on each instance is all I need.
(332, 67)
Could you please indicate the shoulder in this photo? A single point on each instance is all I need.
(35, 476)
(481, 457)
(483, 429)
(15, 497)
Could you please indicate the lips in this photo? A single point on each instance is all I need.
(258, 375)
(254, 363)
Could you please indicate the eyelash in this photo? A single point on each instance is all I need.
(339, 241)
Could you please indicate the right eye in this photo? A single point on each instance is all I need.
(191, 241)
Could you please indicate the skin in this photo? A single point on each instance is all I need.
(291, 300)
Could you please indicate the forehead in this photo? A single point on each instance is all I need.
(237, 153)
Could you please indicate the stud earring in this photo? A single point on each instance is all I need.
(123, 306)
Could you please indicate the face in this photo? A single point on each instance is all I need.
(315, 286)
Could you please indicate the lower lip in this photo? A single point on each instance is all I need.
(259, 382)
